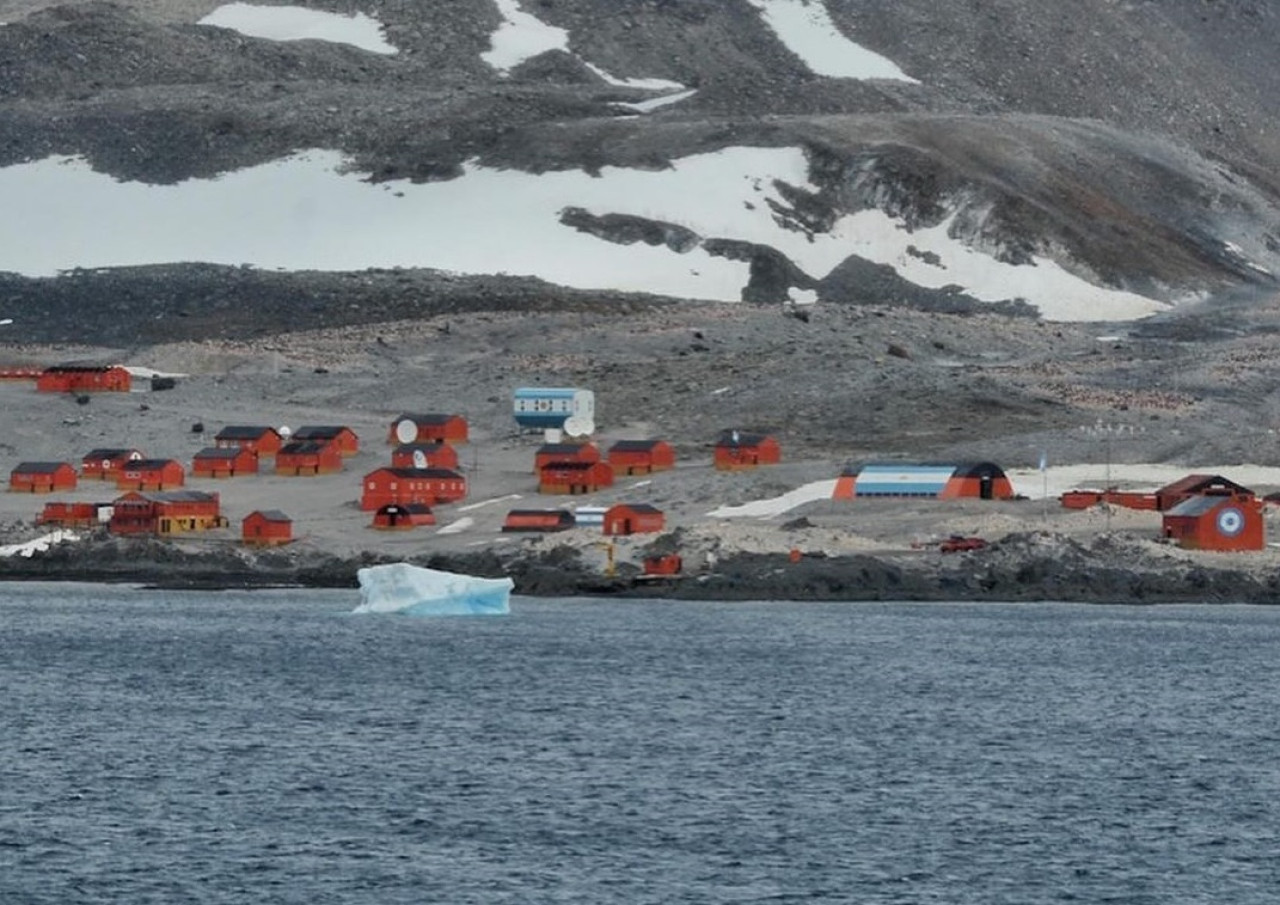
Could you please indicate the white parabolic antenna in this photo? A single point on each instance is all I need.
(573, 426)
(419, 457)
(406, 431)
(586, 426)
(285, 431)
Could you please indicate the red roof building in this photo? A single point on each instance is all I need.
(633, 518)
(574, 477)
(42, 477)
(224, 462)
(424, 455)
(401, 517)
(303, 458)
(104, 464)
(166, 513)
(84, 379)
(1171, 495)
(72, 515)
(266, 528)
(404, 486)
(151, 474)
(428, 428)
(564, 452)
(737, 450)
(1217, 522)
(265, 441)
(630, 457)
(542, 520)
(344, 438)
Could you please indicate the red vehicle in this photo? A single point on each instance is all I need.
(959, 544)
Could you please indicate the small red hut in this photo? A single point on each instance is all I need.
(428, 428)
(84, 379)
(737, 450)
(575, 477)
(641, 456)
(564, 452)
(424, 455)
(1227, 523)
(402, 486)
(266, 528)
(151, 474)
(104, 464)
(544, 520)
(265, 441)
(402, 516)
(344, 438)
(224, 462)
(308, 458)
(42, 477)
(633, 518)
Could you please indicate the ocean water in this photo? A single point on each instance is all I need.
(162, 747)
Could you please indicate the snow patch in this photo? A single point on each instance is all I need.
(521, 37)
(655, 103)
(296, 23)
(807, 493)
(805, 27)
(40, 544)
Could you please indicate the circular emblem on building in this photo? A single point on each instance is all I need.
(1230, 521)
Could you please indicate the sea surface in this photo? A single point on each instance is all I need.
(268, 747)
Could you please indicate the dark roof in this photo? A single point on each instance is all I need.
(219, 452)
(562, 465)
(151, 463)
(419, 472)
(411, 508)
(319, 432)
(243, 432)
(634, 445)
(271, 515)
(178, 496)
(108, 453)
(743, 438)
(562, 514)
(38, 467)
(1194, 483)
(639, 507)
(425, 447)
(79, 369)
(302, 447)
(555, 449)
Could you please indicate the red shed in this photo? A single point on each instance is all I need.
(1228, 523)
(151, 474)
(633, 518)
(42, 477)
(166, 513)
(429, 486)
(308, 457)
(641, 456)
(72, 515)
(344, 438)
(663, 564)
(428, 428)
(575, 477)
(266, 528)
(736, 450)
(224, 462)
(424, 455)
(104, 464)
(265, 441)
(538, 520)
(564, 452)
(402, 516)
(1171, 495)
(84, 379)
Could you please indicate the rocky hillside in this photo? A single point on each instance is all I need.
(1133, 144)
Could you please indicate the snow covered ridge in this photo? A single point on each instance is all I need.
(298, 214)
(297, 23)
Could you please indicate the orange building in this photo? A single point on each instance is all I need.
(166, 513)
(564, 452)
(1193, 485)
(266, 528)
(104, 464)
(544, 520)
(633, 518)
(308, 458)
(424, 455)
(344, 438)
(403, 486)
(72, 515)
(401, 517)
(42, 477)
(946, 481)
(574, 477)
(151, 474)
(224, 462)
(84, 379)
(630, 457)
(1217, 522)
(428, 428)
(737, 450)
(265, 441)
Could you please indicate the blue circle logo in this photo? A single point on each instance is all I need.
(1230, 521)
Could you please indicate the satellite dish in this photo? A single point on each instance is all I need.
(587, 426)
(419, 457)
(106, 464)
(406, 430)
(135, 456)
(285, 431)
(573, 426)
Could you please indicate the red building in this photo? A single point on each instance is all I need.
(564, 452)
(166, 513)
(424, 455)
(344, 438)
(307, 457)
(1218, 522)
(633, 518)
(403, 486)
(266, 528)
(664, 564)
(428, 428)
(42, 477)
(545, 520)
(265, 441)
(575, 477)
(641, 456)
(151, 474)
(104, 464)
(84, 379)
(72, 515)
(1171, 495)
(220, 462)
(736, 450)
(401, 517)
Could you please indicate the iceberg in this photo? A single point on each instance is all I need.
(418, 591)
